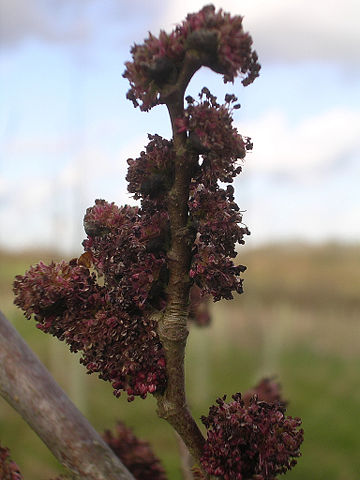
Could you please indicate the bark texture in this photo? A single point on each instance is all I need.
(30, 389)
(172, 326)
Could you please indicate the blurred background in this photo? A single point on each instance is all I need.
(66, 131)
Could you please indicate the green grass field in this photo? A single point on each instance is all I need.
(298, 319)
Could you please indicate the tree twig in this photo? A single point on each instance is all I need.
(30, 389)
(172, 325)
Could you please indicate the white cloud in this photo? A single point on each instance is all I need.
(27, 145)
(283, 30)
(48, 209)
(93, 162)
(3, 186)
(30, 195)
(304, 150)
(312, 213)
(72, 21)
(20, 19)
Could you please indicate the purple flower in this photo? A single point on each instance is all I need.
(210, 38)
(211, 134)
(120, 344)
(250, 441)
(151, 175)
(134, 453)
(8, 469)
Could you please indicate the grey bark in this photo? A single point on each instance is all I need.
(30, 389)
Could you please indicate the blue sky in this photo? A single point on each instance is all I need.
(66, 128)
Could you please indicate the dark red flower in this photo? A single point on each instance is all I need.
(254, 441)
(8, 469)
(151, 175)
(213, 39)
(267, 390)
(122, 347)
(212, 135)
(134, 453)
(120, 242)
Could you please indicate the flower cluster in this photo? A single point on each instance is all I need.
(214, 39)
(222, 36)
(218, 218)
(8, 469)
(211, 134)
(216, 275)
(212, 209)
(68, 303)
(254, 441)
(126, 351)
(151, 175)
(134, 453)
(111, 322)
(267, 390)
(59, 290)
(119, 245)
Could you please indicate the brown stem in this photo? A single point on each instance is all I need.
(30, 389)
(170, 93)
(172, 404)
(172, 325)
